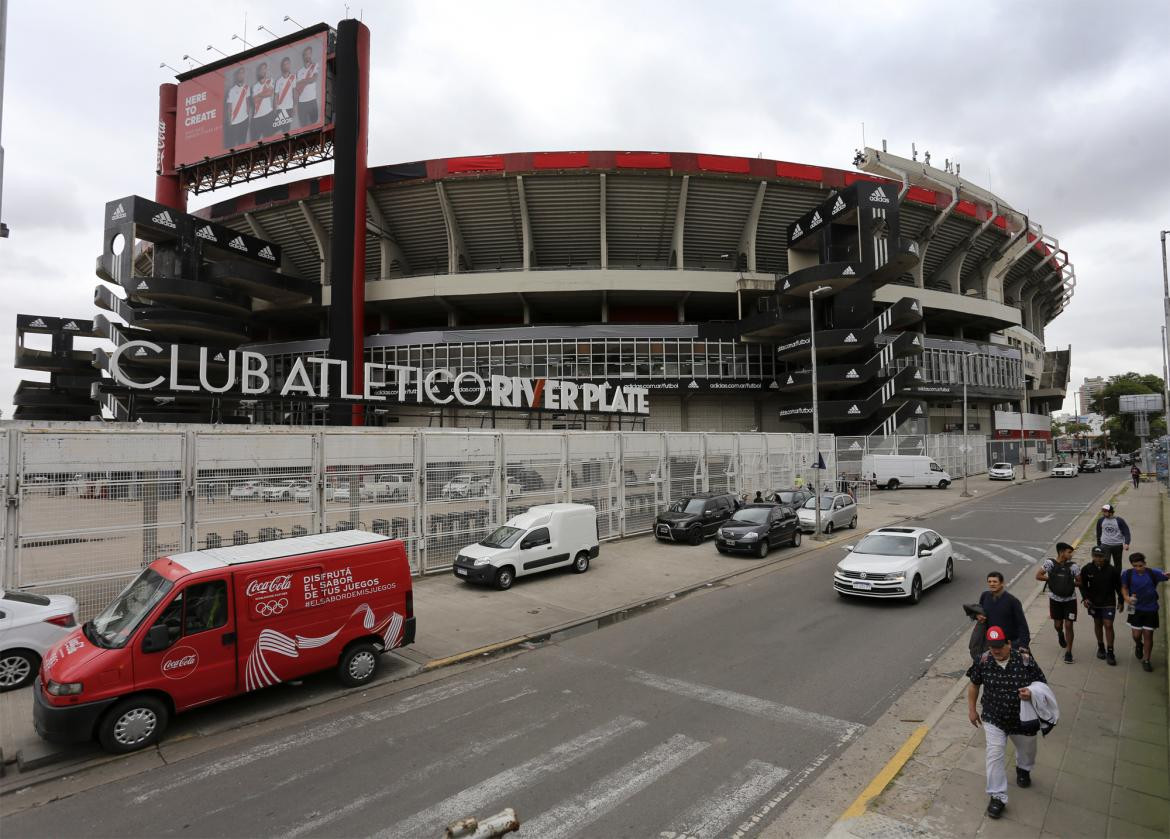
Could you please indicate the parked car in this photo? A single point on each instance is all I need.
(248, 490)
(386, 486)
(756, 528)
(333, 492)
(528, 479)
(895, 562)
(1001, 472)
(282, 491)
(793, 498)
(837, 511)
(1090, 465)
(694, 518)
(458, 487)
(1114, 462)
(1064, 470)
(29, 625)
(543, 538)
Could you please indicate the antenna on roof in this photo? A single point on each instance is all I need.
(883, 144)
(913, 152)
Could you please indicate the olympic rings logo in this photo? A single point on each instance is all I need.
(268, 608)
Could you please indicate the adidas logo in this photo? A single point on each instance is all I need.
(238, 244)
(852, 374)
(266, 253)
(118, 214)
(38, 324)
(913, 247)
(787, 285)
(693, 385)
(839, 206)
(816, 219)
(918, 410)
(850, 339)
(205, 232)
(72, 326)
(773, 386)
(790, 381)
(914, 307)
(797, 232)
(854, 410)
(848, 272)
(855, 446)
(879, 197)
(141, 351)
(916, 342)
(142, 286)
(164, 218)
(218, 357)
(918, 375)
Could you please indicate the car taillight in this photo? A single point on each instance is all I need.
(62, 620)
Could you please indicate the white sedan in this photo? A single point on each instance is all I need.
(895, 562)
(1064, 470)
(1001, 472)
(29, 625)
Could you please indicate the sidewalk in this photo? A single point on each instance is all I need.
(458, 622)
(1102, 772)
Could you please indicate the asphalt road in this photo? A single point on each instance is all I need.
(698, 719)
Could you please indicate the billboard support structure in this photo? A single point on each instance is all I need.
(168, 188)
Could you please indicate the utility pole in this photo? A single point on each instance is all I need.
(1023, 433)
(1165, 330)
(812, 333)
(966, 448)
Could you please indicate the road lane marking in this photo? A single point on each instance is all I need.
(752, 705)
(996, 558)
(960, 557)
(751, 823)
(614, 789)
(712, 816)
(962, 515)
(341, 725)
(1026, 557)
(475, 798)
(1044, 519)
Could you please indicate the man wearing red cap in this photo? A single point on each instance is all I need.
(1004, 674)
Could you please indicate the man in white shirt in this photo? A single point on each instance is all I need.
(306, 89)
(285, 98)
(262, 93)
(235, 107)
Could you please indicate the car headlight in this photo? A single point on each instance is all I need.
(63, 689)
(750, 537)
(483, 560)
(896, 578)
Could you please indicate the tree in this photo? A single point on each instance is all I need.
(1119, 426)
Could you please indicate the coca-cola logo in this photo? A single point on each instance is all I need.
(180, 663)
(268, 588)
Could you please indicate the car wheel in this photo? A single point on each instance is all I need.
(853, 523)
(892, 483)
(581, 563)
(915, 590)
(943, 484)
(18, 668)
(796, 538)
(695, 536)
(358, 665)
(504, 578)
(721, 550)
(828, 528)
(762, 549)
(949, 577)
(133, 724)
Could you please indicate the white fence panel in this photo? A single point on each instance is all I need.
(596, 477)
(644, 490)
(460, 502)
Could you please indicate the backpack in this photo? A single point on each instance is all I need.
(1061, 581)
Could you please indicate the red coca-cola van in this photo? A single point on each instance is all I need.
(201, 626)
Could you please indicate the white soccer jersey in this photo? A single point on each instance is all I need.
(309, 91)
(285, 86)
(262, 98)
(237, 104)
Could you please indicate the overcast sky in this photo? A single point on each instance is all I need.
(1061, 108)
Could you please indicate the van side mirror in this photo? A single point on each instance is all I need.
(157, 638)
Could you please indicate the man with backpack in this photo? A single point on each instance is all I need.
(1139, 587)
(1063, 576)
(1101, 595)
(1113, 535)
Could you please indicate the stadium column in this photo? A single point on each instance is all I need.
(168, 189)
(348, 272)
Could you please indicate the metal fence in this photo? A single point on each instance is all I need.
(955, 453)
(87, 506)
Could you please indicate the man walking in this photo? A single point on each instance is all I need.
(1005, 611)
(1139, 587)
(1005, 675)
(1101, 595)
(1113, 535)
(1135, 473)
(1062, 576)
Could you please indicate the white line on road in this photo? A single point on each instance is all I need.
(1026, 557)
(502, 784)
(614, 789)
(753, 705)
(713, 815)
(775, 801)
(960, 557)
(996, 558)
(962, 515)
(1044, 519)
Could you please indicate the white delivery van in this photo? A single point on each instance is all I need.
(545, 537)
(903, 470)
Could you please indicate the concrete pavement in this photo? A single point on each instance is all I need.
(1101, 772)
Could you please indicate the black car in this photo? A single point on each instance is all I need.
(694, 518)
(1090, 465)
(793, 498)
(528, 479)
(758, 527)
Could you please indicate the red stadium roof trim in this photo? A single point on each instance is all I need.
(643, 160)
(722, 163)
(560, 160)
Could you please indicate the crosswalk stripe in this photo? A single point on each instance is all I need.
(753, 705)
(996, 558)
(505, 783)
(583, 809)
(712, 816)
(960, 557)
(1021, 554)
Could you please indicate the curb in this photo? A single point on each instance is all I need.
(895, 764)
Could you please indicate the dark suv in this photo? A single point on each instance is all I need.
(695, 517)
(757, 527)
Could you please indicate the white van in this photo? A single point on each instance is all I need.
(903, 470)
(545, 537)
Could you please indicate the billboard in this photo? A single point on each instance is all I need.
(259, 96)
(1137, 403)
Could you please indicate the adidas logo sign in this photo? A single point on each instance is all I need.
(205, 232)
(790, 381)
(852, 374)
(118, 214)
(913, 247)
(854, 410)
(918, 375)
(916, 342)
(914, 307)
(773, 386)
(797, 232)
(38, 324)
(218, 357)
(839, 206)
(855, 446)
(918, 410)
(266, 253)
(142, 286)
(72, 326)
(787, 285)
(164, 218)
(141, 351)
(879, 197)
(848, 272)
(816, 219)
(238, 244)
(693, 385)
(850, 339)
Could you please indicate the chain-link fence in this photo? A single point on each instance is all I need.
(955, 453)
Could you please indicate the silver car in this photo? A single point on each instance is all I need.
(837, 511)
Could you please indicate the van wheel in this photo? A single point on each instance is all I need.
(581, 563)
(133, 724)
(892, 483)
(18, 668)
(505, 578)
(943, 484)
(796, 538)
(358, 665)
(695, 536)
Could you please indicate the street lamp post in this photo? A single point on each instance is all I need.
(812, 333)
(1165, 335)
(1023, 433)
(966, 447)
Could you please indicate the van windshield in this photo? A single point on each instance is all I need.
(117, 622)
(502, 537)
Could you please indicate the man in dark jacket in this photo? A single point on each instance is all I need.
(1101, 595)
(1003, 610)
(1005, 675)
(1113, 535)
